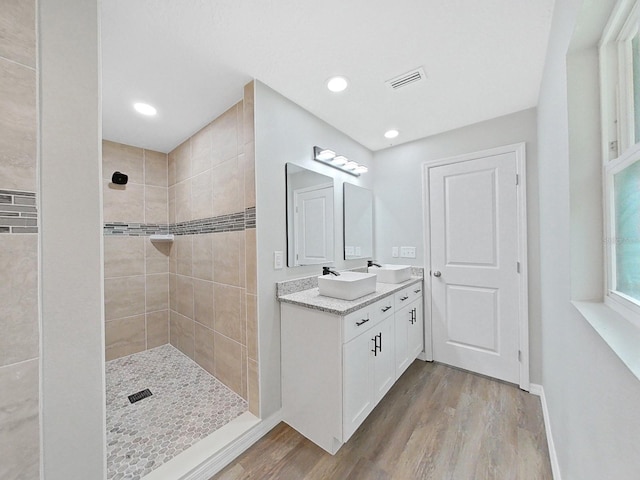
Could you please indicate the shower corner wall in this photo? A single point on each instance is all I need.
(199, 293)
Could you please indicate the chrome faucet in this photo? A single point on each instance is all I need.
(371, 263)
(327, 271)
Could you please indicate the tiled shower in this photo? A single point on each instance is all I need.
(194, 297)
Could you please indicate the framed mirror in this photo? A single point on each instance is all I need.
(310, 236)
(358, 222)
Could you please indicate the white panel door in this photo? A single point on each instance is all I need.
(314, 235)
(474, 255)
(358, 394)
(384, 360)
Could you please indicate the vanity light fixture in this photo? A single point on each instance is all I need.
(340, 162)
(145, 109)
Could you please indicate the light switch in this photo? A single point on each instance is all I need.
(278, 260)
(394, 252)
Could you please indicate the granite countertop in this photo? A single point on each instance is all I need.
(311, 298)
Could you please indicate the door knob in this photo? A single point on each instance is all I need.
(436, 273)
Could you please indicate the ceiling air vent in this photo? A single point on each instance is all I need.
(408, 78)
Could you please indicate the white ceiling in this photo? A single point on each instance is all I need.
(191, 59)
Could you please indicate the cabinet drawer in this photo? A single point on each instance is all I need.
(383, 308)
(415, 291)
(402, 298)
(358, 322)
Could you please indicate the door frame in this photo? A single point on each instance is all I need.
(523, 288)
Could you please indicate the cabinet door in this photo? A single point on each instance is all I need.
(402, 324)
(416, 331)
(358, 399)
(384, 371)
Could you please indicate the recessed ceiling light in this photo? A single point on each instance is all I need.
(145, 109)
(391, 133)
(337, 84)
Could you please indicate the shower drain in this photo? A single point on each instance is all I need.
(136, 397)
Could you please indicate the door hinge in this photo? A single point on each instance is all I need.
(519, 355)
(613, 147)
(518, 266)
(517, 179)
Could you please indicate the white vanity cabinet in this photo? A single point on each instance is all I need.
(336, 368)
(409, 328)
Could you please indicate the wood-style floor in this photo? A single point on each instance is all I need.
(436, 423)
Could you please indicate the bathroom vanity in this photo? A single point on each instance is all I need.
(340, 357)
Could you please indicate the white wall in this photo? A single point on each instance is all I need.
(72, 385)
(398, 217)
(287, 133)
(592, 397)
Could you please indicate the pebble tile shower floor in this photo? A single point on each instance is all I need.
(187, 404)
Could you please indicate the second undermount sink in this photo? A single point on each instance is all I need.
(392, 273)
(347, 285)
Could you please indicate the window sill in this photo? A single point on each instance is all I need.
(619, 333)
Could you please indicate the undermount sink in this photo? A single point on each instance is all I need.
(347, 285)
(392, 273)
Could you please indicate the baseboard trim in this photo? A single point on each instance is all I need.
(538, 390)
(226, 455)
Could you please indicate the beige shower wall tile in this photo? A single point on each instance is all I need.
(182, 156)
(122, 158)
(184, 296)
(251, 261)
(248, 117)
(240, 126)
(242, 260)
(18, 31)
(173, 291)
(124, 336)
(201, 141)
(253, 388)
(157, 328)
(124, 296)
(156, 168)
(19, 331)
(17, 126)
(228, 362)
(227, 197)
(244, 372)
(225, 136)
(228, 311)
(123, 203)
(226, 258)
(183, 201)
(181, 334)
(203, 300)
(252, 327)
(157, 292)
(19, 422)
(203, 256)
(171, 200)
(249, 175)
(123, 256)
(156, 208)
(204, 348)
(201, 196)
(156, 256)
(171, 172)
(184, 254)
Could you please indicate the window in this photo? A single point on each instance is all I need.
(620, 90)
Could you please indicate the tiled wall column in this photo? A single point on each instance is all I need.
(19, 337)
(213, 273)
(136, 270)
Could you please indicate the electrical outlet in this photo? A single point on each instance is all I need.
(278, 260)
(349, 251)
(394, 252)
(408, 252)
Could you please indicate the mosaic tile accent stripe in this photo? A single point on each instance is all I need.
(18, 212)
(232, 222)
